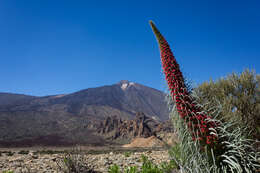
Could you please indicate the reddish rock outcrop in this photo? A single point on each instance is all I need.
(141, 126)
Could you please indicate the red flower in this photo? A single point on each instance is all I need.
(186, 108)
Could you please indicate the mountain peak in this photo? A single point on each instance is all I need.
(125, 84)
(124, 81)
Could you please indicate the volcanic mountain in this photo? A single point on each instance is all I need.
(75, 118)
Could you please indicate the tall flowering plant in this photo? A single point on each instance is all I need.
(199, 123)
(226, 149)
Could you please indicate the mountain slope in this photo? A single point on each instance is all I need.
(65, 119)
(14, 99)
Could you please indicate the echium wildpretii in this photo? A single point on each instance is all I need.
(197, 121)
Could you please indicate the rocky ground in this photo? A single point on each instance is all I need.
(50, 161)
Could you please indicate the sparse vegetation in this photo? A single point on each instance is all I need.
(147, 167)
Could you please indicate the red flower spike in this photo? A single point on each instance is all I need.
(190, 112)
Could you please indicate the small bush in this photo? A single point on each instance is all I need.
(74, 163)
(239, 97)
(148, 166)
(127, 154)
(8, 171)
(10, 153)
(168, 167)
(23, 152)
(48, 152)
(131, 169)
(114, 169)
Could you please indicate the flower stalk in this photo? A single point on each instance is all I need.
(199, 123)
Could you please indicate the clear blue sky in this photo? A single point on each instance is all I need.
(52, 46)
